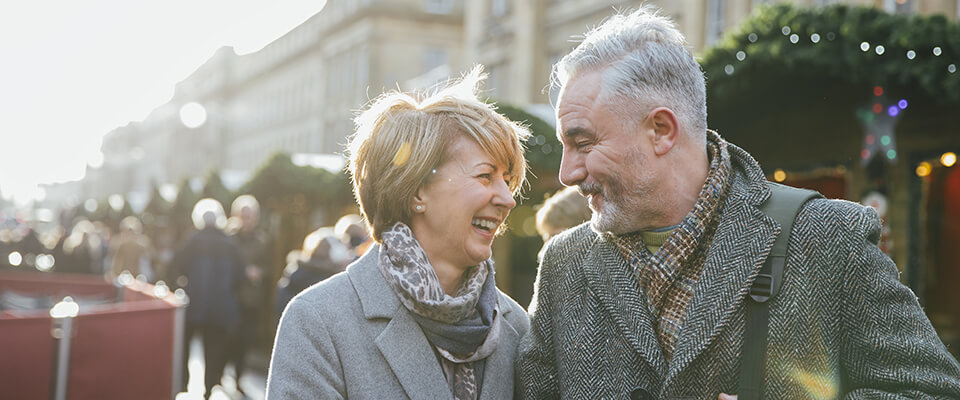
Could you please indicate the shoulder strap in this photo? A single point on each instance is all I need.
(783, 205)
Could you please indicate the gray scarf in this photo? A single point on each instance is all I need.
(461, 328)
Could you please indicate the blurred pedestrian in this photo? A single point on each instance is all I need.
(566, 209)
(213, 268)
(130, 251)
(245, 211)
(353, 231)
(77, 252)
(322, 256)
(419, 313)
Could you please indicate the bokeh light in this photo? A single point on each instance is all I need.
(864, 46)
(728, 69)
(948, 159)
(880, 49)
(923, 169)
(794, 38)
(45, 262)
(815, 38)
(885, 140)
(893, 111)
(66, 308)
(878, 90)
(193, 115)
(911, 54)
(779, 175)
(15, 259)
(741, 55)
(937, 51)
(902, 104)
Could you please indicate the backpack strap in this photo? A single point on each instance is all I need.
(783, 206)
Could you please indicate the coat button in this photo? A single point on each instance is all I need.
(640, 393)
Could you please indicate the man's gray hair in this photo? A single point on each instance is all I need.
(646, 63)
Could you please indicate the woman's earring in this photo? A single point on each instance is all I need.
(419, 208)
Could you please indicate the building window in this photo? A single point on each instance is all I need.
(715, 21)
(498, 8)
(438, 6)
(433, 57)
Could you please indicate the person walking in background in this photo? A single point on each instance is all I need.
(419, 315)
(130, 251)
(566, 209)
(616, 316)
(245, 218)
(77, 252)
(353, 231)
(322, 256)
(214, 270)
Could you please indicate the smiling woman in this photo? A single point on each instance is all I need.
(435, 177)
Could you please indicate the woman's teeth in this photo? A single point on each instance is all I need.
(484, 224)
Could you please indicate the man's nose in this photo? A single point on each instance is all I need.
(572, 169)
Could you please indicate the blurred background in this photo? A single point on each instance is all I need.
(113, 110)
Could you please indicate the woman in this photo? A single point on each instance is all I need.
(419, 315)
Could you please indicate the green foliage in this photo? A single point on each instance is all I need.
(157, 205)
(214, 188)
(543, 149)
(285, 185)
(772, 57)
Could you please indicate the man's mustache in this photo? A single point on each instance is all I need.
(587, 189)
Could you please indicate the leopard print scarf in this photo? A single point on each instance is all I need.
(404, 264)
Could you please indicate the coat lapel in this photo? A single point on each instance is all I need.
(498, 372)
(402, 342)
(739, 247)
(613, 282)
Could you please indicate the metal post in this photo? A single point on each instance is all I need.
(178, 323)
(63, 326)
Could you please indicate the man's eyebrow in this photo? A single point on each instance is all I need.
(577, 131)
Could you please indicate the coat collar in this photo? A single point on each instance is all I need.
(407, 350)
(739, 247)
(612, 281)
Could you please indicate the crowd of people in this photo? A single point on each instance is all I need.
(223, 264)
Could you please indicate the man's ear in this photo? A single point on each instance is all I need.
(666, 131)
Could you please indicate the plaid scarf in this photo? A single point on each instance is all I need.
(668, 276)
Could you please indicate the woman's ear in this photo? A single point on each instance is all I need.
(419, 202)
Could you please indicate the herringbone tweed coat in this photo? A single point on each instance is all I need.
(843, 325)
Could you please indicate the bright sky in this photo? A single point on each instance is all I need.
(71, 71)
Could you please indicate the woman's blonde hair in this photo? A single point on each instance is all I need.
(401, 137)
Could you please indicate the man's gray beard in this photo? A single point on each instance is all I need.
(610, 218)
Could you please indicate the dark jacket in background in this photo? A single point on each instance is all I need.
(214, 269)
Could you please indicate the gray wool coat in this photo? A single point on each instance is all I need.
(843, 326)
(350, 337)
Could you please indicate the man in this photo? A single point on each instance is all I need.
(245, 213)
(648, 299)
(213, 269)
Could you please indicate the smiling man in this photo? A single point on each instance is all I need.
(649, 299)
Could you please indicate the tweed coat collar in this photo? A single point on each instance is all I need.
(740, 245)
(407, 350)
